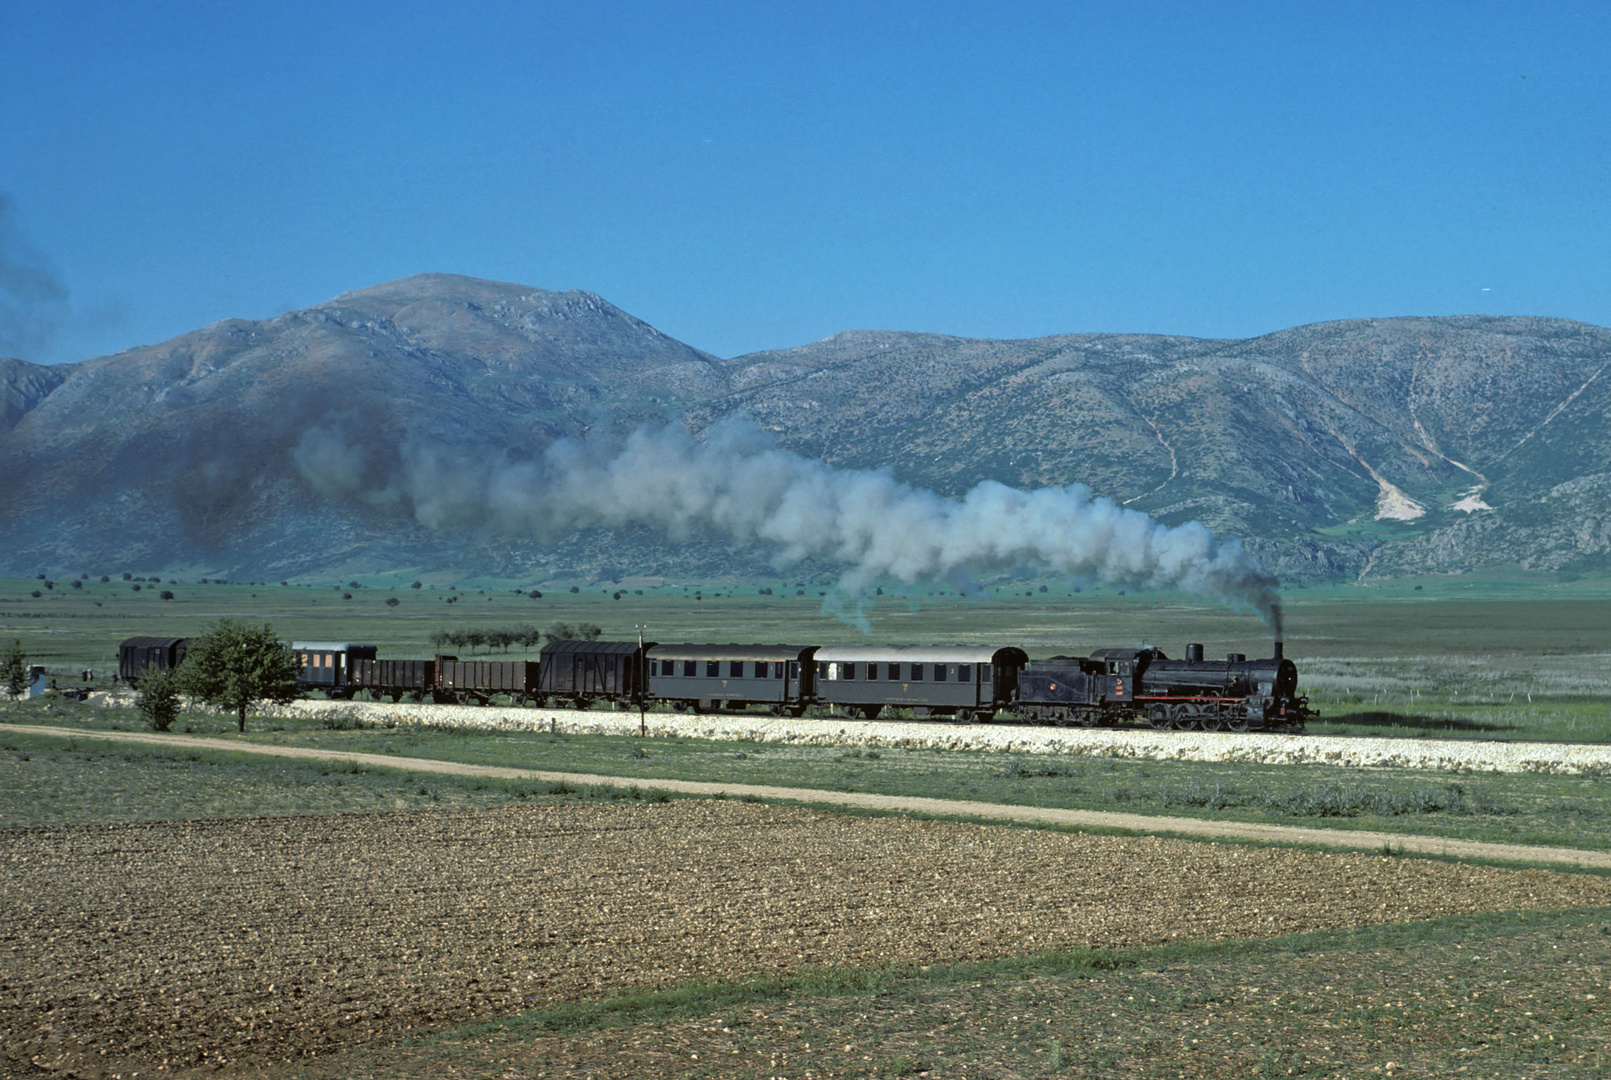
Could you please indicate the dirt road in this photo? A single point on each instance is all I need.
(987, 811)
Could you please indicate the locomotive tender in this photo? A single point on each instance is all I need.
(1108, 686)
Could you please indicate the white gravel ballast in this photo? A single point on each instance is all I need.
(1273, 749)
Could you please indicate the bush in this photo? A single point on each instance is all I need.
(158, 698)
(14, 669)
(391, 601)
(167, 594)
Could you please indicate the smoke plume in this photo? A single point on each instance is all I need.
(736, 483)
(32, 300)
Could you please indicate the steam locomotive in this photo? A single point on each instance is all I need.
(965, 683)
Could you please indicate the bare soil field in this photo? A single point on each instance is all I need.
(180, 945)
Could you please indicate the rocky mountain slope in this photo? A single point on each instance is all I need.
(1371, 447)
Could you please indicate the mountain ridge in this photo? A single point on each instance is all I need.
(1383, 446)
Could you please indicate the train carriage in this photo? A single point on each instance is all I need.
(964, 681)
(137, 655)
(703, 677)
(326, 665)
(480, 681)
(397, 679)
(582, 672)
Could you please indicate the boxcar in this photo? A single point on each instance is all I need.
(137, 655)
(464, 681)
(731, 676)
(413, 679)
(325, 664)
(583, 672)
(931, 680)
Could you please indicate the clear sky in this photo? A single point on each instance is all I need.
(754, 175)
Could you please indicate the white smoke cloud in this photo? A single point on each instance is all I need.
(737, 483)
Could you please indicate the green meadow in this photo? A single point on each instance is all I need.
(1461, 656)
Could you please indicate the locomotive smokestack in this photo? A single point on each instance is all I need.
(1278, 650)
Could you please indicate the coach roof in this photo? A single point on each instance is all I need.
(728, 652)
(900, 654)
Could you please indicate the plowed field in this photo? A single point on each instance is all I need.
(245, 942)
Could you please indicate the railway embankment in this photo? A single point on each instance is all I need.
(1450, 755)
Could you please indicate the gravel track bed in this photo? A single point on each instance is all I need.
(204, 943)
(1433, 754)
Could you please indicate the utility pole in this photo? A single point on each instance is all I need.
(643, 679)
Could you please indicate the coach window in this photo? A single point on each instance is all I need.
(735, 669)
(794, 669)
(917, 672)
(849, 670)
(690, 669)
(713, 669)
(964, 673)
(939, 672)
(822, 669)
(893, 673)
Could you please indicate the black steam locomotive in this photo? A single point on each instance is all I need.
(1113, 685)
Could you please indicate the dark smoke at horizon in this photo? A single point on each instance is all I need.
(736, 482)
(32, 299)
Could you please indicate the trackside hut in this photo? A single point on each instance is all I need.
(964, 681)
(702, 676)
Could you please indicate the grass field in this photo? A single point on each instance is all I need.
(1458, 657)
(117, 783)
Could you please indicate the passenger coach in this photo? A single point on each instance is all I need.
(700, 677)
(966, 682)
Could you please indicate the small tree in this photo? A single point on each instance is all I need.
(158, 698)
(14, 669)
(235, 665)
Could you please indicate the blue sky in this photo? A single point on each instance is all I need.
(749, 176)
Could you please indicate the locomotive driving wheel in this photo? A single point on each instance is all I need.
(1237, 722)
(1160, 717)
(1212, 720)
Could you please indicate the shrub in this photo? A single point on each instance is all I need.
(416, 585)
(391, 601)
(14, 669)
(167, 594)
(158, 698)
